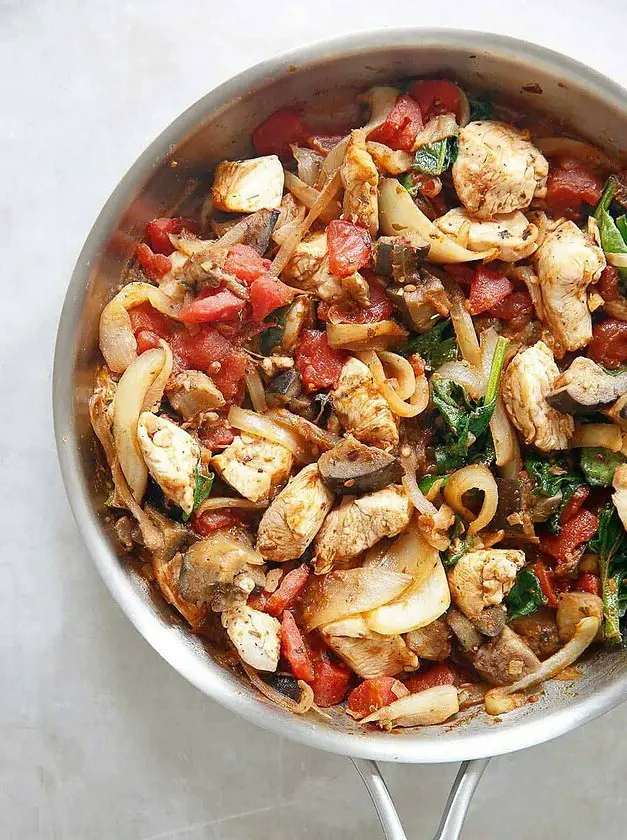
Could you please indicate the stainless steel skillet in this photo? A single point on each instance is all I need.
(217, 127)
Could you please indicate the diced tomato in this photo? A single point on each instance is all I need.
(158, 231)
(258, 600)
(218, 436)
(215, 520)
(569, 184)
(608, 283)
(545, 578)
(278, 132)
(221, 306)
(439, 674)
(487, 289)
(609, 343)
(154, 265)
(331, 677)
(588, 582)
(349, 247)
(289, 589)
(230, 375)
(268, 293)
(351, 313)
(374, 694)
(464, 274)
(201, 348)
(245, 263)
(318, 364)
(146, 340)
(145, 317)
(294, 650)
(436, 96)
(516, 305)
(574, 533)
(574, 504)
(324, 142)
(401, 126)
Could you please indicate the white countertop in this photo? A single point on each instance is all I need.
(100, 739)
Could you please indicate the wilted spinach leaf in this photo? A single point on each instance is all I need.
(435, 347)
(436, 158)
(270, 338)
(202, 489)
(481, 109)
(553, 477)
(598, 465)
(610, 543)
(525, 596)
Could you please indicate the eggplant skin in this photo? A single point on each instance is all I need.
(352, 468)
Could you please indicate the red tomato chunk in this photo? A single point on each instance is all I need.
(608, 283)
(267, 294)
(574, 533)
(221, 306)
(374, 694)
(294, 650)
(215, 520)
(588, 582)
(245, 263)
(351, 313)
(546, 579)
(289, 589)
(574, 504)
(318, 364)
(516, 305)
(609, 343)
(278, 132)
(158, 232)
(440, 674)
(569, 185)
(331, 677)
(436, 96)
(349, 247)
(487, 289)
(154, 265)
(401, 126)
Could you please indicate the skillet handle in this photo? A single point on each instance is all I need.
(467, 779)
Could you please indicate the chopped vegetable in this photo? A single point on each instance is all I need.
(154, 265)
(569, 185)
(202, 489)
(580, 529)
(294, 650)
(609, 343)
(553, 478)
(276, 135)
(481, 109)
(436, 96)
(525, 596)
(373, 694)
(401, 126)
(612, 240)
(221, 306)
(545, 579)
(487, 289)
(291, 586)
(319, 365)
(436, 158)
(349, 247)
(434, 347)
(268, 294)
(331, 677)
(598, 465)
(158, 232)
(245, 263)
(610, 544)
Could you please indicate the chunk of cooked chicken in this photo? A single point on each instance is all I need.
(497, 169)
(483, 578)
(171, 455)
(357, 524)
(432, 642)
(256, 468)
(361, 409)
(294, 517)
(566, 263)
(505, 659)
(308, 269)
(619, 496)
(191, 391)
(244, 186)
(572, 607)
(360, 179)
(255, 634)
(513, 237)
(528, 378)
(367, 653)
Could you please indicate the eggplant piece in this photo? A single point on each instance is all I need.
(398, 258)
(540, 631)
(351, 468)
(491, 621)
(586, 388)
(421, 302)
(255, 230)
(512, 513)
(505, 659)
(464, 630)
(284, 387)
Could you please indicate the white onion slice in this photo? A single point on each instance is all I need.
(377, 336)
(468, 377)
(425, 708)
(308, 196)
(438, 128)
(617, 260)
(417, 497)
(260, 425)
(396, 404)
(574, 149)
(220, 502)
(255, 389)
(398, 368)
(463, 325)
(606, 435)
(473, 477)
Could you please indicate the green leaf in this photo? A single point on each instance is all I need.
(436, 158)
(598, 465)
(613, 240)
(427, 481)
(525, 596)
(552, 477)
(435, 347)
(481, 109)
(270, 339)
(459, 546)
(202, 489)
(610, 544)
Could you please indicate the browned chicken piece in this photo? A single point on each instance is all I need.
(294, 517)
(244, 186)
(566, 263)
(357, 524)
(432, 642)
(540, 632)
(367, 653)
(481, 579)
(572, 607)
(497, 169)
(360, 180)
(527, 380)
(191, 391)
(256, 468)
(505, 659)
(510, 234)
(361, 409)
(308, 269)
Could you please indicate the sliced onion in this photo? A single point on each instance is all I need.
(296, 318)
(286, 250)
(398, 368)
(468, 377)
(291, 214)
(154, 394)
(308, 196)
(388, 160)
(334, 159)
(438, 128)
(261, 425)
(302, 707)
(348, 592)
(219, 502)
(255, 389)
(405, 554)
(617, 260)
(574, 149)
(133, 387)
(473, 477)
(396, 404)
(605, 435)
(378, 336)
(321, 438)
(424, 708)
(417, 497)
(463, 324)
(381, 100)
(506, 446)
(117, 342)
(500, 700)
(309, 164)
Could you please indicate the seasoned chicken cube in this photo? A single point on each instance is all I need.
(244, 186)
(360, 179)
(361, 409)
(191, 391)
(357, 524)
(171, 455)
(483, 578)
(497, 169)
(528, 378)
(566, 263)
(256, 468)
(505, 659)
(619, 496)
(255, 634)
(513, 237)
(294, 517)
(308, 269)
(367, 653)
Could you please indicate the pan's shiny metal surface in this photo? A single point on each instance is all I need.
(218, 127)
